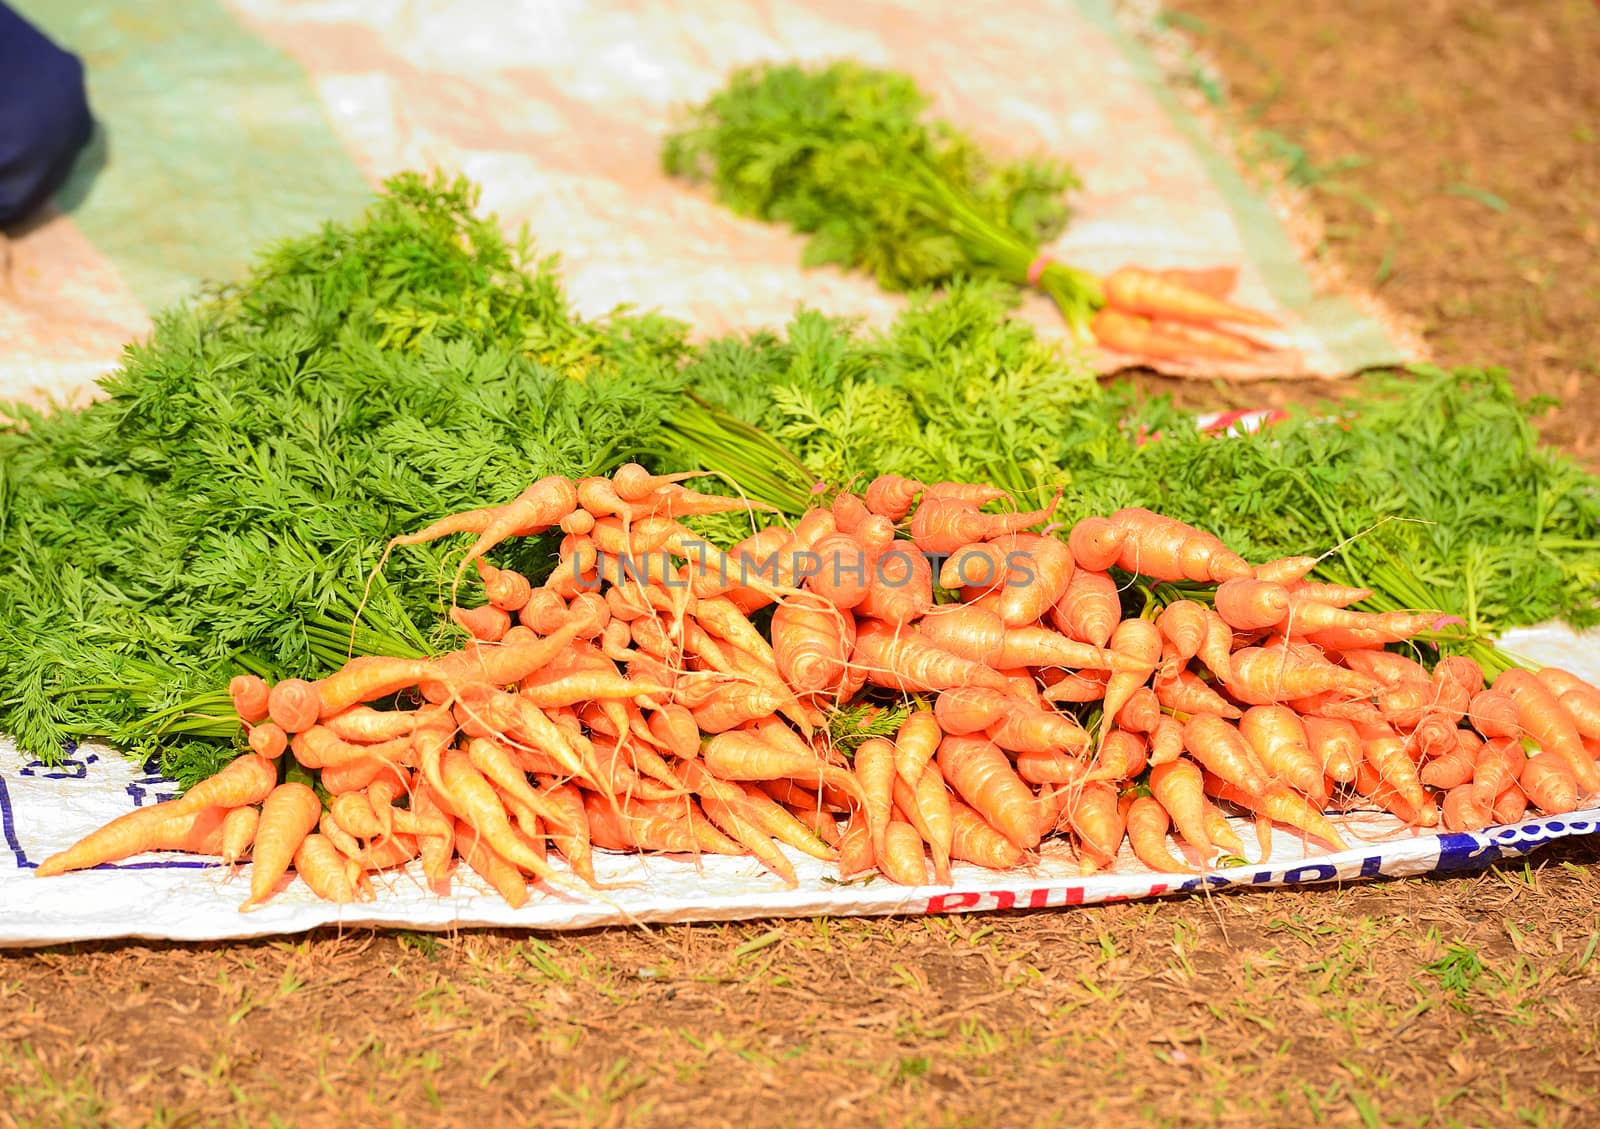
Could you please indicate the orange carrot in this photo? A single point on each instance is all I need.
(903, 660)
(329, 873)
(1040, 570)
(1493, 713)
(1178, 786)
(158, 827)
(810, 836)
(1371, 784)
(1147, 824)
(487, 624)
(976, 633)
(915, 743)
(288, 815)
(974, 840)
(1280, 803)
(1123, 755)
(1188, 694)
(1247, 604)
(1280, 740)
(1148, 292)
(268, 739)
(1166, 549)
(487, 863)
(902, 860)
(1095, 543)
(1166, 740)
(536, 509)
(249, 694)
(1388, 757)
(811, 644)
(1336, 743)
(1549, 783)
(1217, 282)
(1140, 641)
(317, 747)
(1462, 810)
(855, 847)
(293, 705)
(245, 780)
(1223, 751)
(740, 755)
(1074, 686)
(1141, 712)
(1285, 570)
(1216, 649)
(874, 766)
(1261, 676)
(1182, 624)
(238, 832)
(1511, 805)
(983, 777)
(1090, 609)
(900, 588)
(891, 495)
(1097, 821)
(1546, 720)
(475, 802)
(1139, 336)
(926, 802)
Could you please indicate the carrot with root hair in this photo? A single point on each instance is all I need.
(1095, 543)
(903, 860)
(1182, 624)
(288, 814)
(1147, 824)
(238, 832)
(1549, 784)
(741, 755)
(1542, 716)
(1095, 818)
(973, 840)
(1166, 549)
(1139, 641)
(1280, 803)
(1337, 744)
(982, 776)
(855, 847)
(874, 767)
(154, 828)
(330, 874)
(245, 780)
(1280, 741)
(1178, 786)
(1225, 753)
(1462, 810)
(905, 661)
(1166, 740)
(811, 644)
(1090, 609)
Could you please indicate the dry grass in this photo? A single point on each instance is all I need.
(1441, 1002)
(1461, 1001)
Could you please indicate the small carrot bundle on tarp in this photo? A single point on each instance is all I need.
(944, 679)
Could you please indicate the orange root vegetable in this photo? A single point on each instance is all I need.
(353, 812)
(821, 826)
(1167, 549)
(488, 864)
(979, 634)
(811, 644)
(541, 505)
(915, 744)
(268, 740)
(973, 840)
(293, 705)
(245, 780)
(1095, 543)
(475, 802)
(1074, 686)
(1096, 819)
(1394, 766)
(1493, 713)
(741, 755)
(504, 588)
(1542, 716)
(1336, 744)
(1278, 802)
(1188, 694)
(1123, 756)
(1224, 752)
(1216, 649)
(317, 747)
(1156, 294)
(843, 571)
(487, 624)
(1039, 570)
(1462, 810)
(249, 694)
(732, 704)
(982, 776)
(366, 679)
(903, 860)
(1166, 740)
(238, 832)
(1450, 769)
(926, 802)
(900, 588)
(1090, 609)
(971, 709)
(1285, 570)
(1370, 784)
(1247, 604)
(874, 767)
(1139, 641)
(365, 725)
(892, 495)
(1332, 595)
(1141, 712)
(1182, 624)
(1147, 824)
(1221, 831)
(1140, 336)
(1261, 676)
(855, 847)
(1548, 782)
(903, 660)
(288, 815)
(1056, 767)
(817, 838)
(328, 871)
(1178, 786)
(156, 828)
(1280, 740)
(1511, 805)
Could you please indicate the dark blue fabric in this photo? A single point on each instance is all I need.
(44, 116)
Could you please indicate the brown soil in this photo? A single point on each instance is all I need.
(1451, 1001)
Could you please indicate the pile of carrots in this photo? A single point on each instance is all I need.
(631, 703)
(1178, 315)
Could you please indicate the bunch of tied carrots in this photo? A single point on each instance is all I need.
(1178, 315)
(629, 703)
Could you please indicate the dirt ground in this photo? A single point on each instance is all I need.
(1451, 149)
